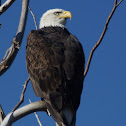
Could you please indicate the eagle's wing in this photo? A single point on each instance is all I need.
(44, 59)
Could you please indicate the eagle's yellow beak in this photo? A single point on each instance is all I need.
(66, 14)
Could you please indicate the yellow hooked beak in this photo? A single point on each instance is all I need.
(66, 14)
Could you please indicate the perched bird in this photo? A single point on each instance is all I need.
(55, 64)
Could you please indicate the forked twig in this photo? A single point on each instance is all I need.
(101, 37)
(22, 95)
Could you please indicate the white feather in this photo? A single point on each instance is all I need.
(50, 19)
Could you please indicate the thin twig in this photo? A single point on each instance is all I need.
(22, 95)
(119, 2)
(5, 6)
(40, 124)
(33, 17)
(13, 50)
(101, 37)
(115, 2)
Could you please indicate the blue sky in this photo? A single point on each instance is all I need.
(103, 101)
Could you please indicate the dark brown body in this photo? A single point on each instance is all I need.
(55, 64)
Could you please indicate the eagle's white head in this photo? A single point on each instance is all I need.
(54, 17)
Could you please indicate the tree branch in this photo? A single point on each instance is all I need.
(37, 117)
(119, 3)
(2, 115)
(23, 111)
(22, 95)
(13, 50)
(5, 6)
(101, 37)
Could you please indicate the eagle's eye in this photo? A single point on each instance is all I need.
(57, 13)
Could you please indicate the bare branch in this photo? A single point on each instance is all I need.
(22, 95)
(40, 124)
(115, 3)
(2, 115)
(13, 50)
(23, 111)
(5, 6)
(33, 17)
(119, 2)
(101, 37)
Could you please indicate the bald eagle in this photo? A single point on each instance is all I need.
(55, 64)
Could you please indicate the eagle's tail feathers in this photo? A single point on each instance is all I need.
(65, 117)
